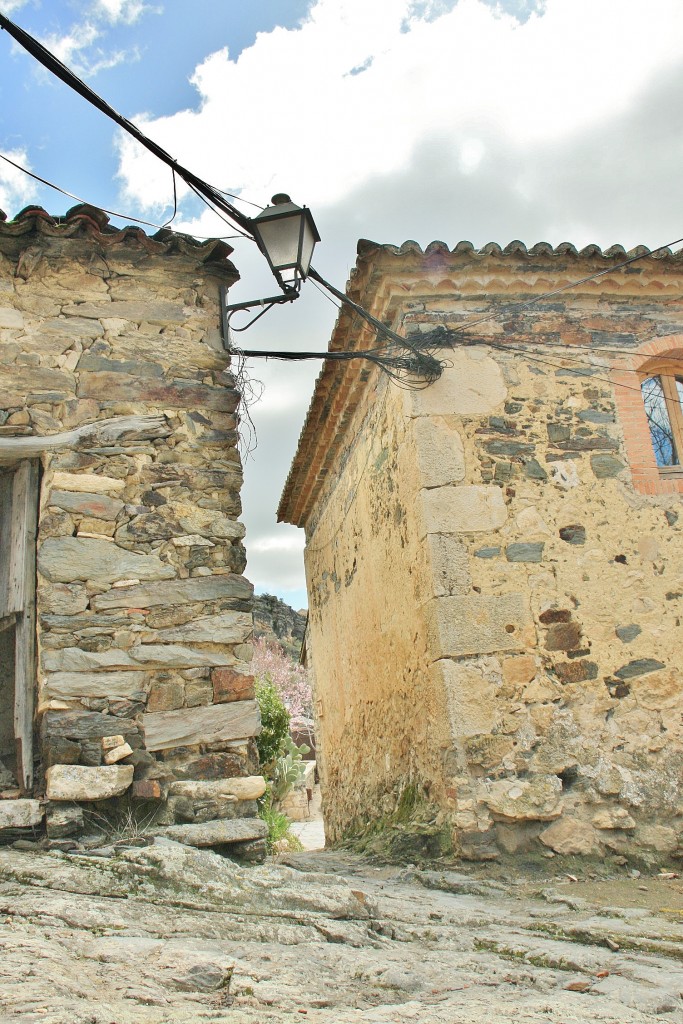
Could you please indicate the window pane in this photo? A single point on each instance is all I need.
(659, 421)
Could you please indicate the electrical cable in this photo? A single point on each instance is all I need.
(61, 71)
(420, 361)
(112, 213)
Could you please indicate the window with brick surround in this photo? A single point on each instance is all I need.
(648, 390)
(662, 393)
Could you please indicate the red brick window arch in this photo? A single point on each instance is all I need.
(649, 398)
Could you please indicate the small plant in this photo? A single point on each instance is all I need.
(125, 826)
(274, 723)
(289, 768)
(279, 826)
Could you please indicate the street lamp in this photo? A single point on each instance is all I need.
(286, 235)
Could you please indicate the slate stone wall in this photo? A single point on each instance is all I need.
(144, 617)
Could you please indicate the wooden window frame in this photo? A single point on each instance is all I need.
(667, 373)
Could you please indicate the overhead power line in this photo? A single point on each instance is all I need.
(61, 71)
(402, 357)
(112, 213)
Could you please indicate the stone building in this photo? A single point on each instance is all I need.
(495, 563)
(124, 659)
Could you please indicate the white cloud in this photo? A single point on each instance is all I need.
(127, 11)
(288, 112)
(16, 189)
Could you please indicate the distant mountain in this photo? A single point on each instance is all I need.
(277, 621)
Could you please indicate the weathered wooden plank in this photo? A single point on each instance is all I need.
(6, 479)
(189, 726)
(101, 433)
(24, 518)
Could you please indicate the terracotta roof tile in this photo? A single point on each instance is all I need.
(85, 220)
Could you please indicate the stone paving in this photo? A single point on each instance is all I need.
(166, 933)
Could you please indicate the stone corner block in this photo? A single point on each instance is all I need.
(440, 452)
(78, 782)
(468, 508)
(471, 385)
(475, 624)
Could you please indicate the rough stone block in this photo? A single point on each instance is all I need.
(628, 633)
(571, 836)
(228, 627)
(519, 671)
(63, 598)
(613, 818)
(563, 636)
(576, 671)
(117, 754)
(20, 814)
(251, 788)
(575, 534)
(146, 789)
(99, 506)
(111, 742)
(533, 799)
(471, 508)
(525, 552)
(65, 685)
(229, 685)
(77, 782)
(605, 466)
(212, 766)
(84, 725)
(69, 559)
(89, 482)
(200, 588)
(63, 820)
(640, 667)
(189, 726)
(477, 624)
(215, 833)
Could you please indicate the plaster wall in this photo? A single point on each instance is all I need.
(380, 716)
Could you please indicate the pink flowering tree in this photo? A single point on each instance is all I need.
(289, 679)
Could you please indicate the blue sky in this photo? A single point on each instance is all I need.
(535, 119)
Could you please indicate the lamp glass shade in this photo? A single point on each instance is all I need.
(287, 235)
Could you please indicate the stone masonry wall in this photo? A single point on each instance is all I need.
(144, 618)
(554, 576)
